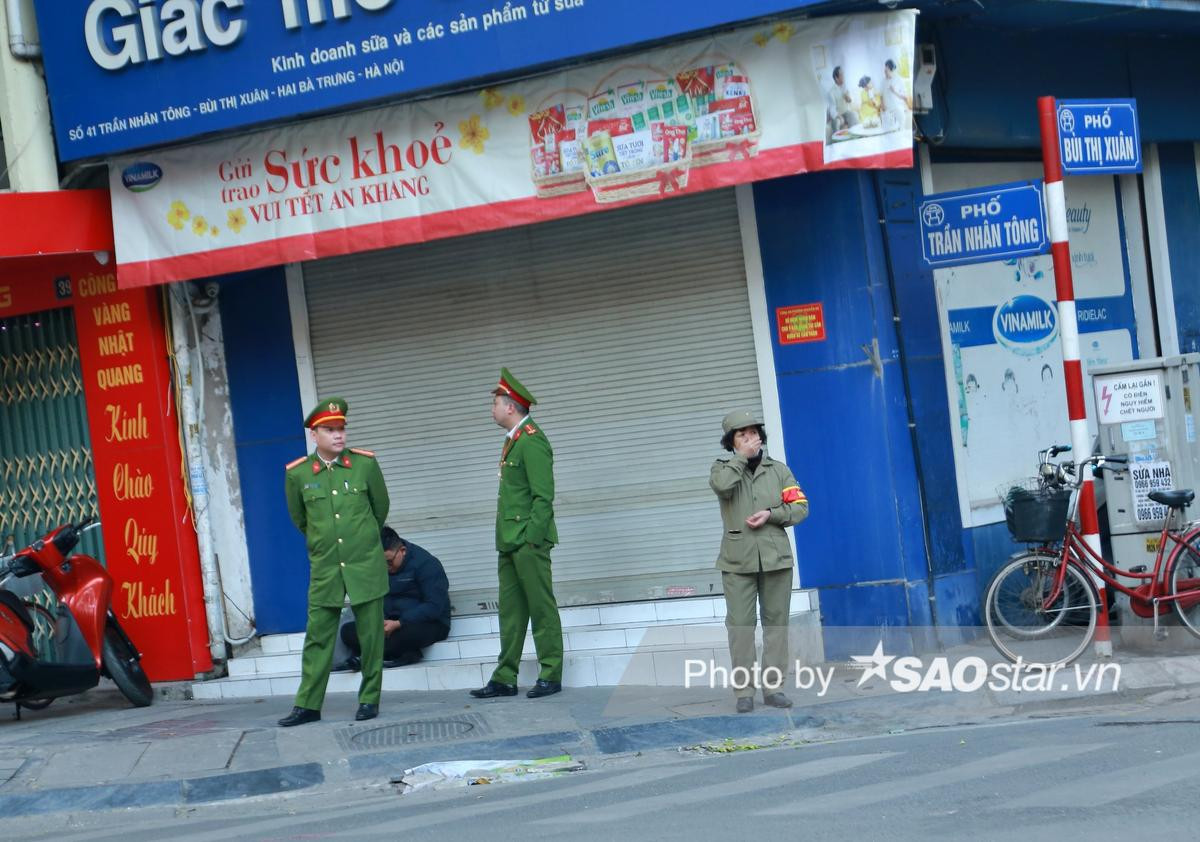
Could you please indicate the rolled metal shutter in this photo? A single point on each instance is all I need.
(632, 327)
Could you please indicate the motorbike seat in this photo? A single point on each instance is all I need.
(13, 602)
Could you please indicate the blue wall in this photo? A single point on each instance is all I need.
(845, 413)
(1181, 206)
(988, 80)
(268, 433)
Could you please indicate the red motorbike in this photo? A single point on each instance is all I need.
(84, 590)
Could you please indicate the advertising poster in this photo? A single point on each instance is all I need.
(866, 79)
(1000, 336)
(693, 116)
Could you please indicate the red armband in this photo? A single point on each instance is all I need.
(793, 494)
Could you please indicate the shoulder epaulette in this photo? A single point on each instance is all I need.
(294, 463)
(362, 452)
(529, 428)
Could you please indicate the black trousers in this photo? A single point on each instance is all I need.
(410, 638)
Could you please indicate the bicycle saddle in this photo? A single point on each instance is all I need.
(1179, 498)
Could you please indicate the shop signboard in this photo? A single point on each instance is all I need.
(692, 116)
(148, 532)
(1099, 136)
(1001, 222)
(124, 74)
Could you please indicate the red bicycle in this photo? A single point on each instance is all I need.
(1041, 606)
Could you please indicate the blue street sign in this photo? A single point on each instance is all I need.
(985, 223)
(1099, 137)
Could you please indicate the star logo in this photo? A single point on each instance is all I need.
(878, 664)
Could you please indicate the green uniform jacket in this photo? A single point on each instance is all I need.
(525, 506)
(340, 511)
(746, 550)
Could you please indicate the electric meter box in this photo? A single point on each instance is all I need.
(1145, 412)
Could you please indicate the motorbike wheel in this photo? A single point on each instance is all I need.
(121, 663)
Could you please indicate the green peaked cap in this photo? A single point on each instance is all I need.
(739, 420)
(328, 411)
(513, 388)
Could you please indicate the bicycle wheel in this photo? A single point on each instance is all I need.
(1019, 609)
(1020, 624)
(1184, 578)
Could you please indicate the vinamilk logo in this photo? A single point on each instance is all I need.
(141, 176)
(1025, 325)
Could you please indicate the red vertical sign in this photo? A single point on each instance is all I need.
(149, 539)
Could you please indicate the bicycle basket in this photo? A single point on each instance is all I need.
(1034, 513)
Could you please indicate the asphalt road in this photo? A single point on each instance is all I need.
(1107, 776)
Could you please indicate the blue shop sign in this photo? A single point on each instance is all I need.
(128, 74)
(1099, 137)
(982, 224)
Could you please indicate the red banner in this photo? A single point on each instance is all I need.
(149, 540)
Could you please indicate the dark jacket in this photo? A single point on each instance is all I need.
(419, 591)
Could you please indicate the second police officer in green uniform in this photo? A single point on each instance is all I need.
(336, 496)
(525, 534)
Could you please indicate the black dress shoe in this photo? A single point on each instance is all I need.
(366, 711)
(351, 664)
(300, 716)
(405, 659)
(493, 689)
(544, 688)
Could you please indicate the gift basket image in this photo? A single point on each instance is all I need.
(725, 112)
(638, 137)
(556, 157)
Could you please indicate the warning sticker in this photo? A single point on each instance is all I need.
(1128, 397)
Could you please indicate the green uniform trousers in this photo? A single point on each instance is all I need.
(527, 593)
(745, 595)
(317, 659)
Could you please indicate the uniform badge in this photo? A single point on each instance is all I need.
(345, 461)
(317, 467)
(529, 428)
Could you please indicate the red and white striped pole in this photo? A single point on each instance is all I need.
(1068, 332)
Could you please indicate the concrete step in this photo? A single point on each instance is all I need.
(674, 622)
(651, 663)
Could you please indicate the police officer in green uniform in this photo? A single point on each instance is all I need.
(525, 534)
(337, 498)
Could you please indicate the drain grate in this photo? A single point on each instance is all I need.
(414, 731)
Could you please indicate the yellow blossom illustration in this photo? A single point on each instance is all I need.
(761, 39)
(784, 31)
(199, 226)
(177, 215)
(214, 230)
(491, 98)
(516, 105)
(473, 134)
(235, 220)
